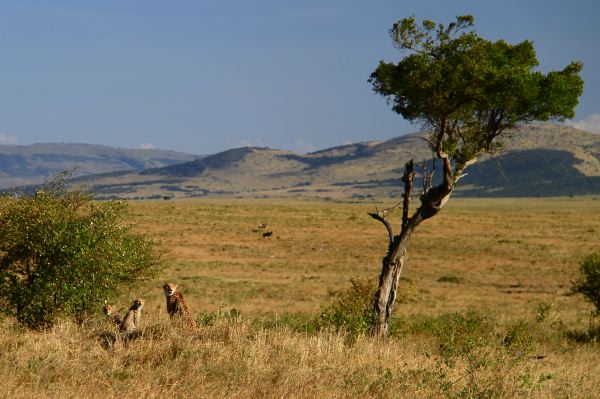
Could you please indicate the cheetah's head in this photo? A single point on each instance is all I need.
(108, 309)
(170, 289)
(138, 303)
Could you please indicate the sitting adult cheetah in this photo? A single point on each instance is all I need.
(176, 306)
(112, 315)
(131, 320)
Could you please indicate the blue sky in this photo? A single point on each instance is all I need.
(204, 76)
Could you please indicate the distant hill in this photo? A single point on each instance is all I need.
(539, 160)
(29, 164)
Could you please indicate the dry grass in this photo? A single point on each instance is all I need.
(501, 258)
(508, 254)
(238, 359)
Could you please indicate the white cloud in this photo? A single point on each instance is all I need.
(147, 146)
(302, 146)
(7, 140)
(589, 124)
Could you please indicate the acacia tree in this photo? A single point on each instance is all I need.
(467, 92)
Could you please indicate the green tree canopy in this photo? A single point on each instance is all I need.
(469, 90)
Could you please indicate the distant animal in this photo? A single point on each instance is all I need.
(262, 226)
(176, 306)
(131, 320)
(267, 234)
(112, 315)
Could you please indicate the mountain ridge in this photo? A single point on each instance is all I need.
(373, 169)
(30, 164)
(538, 160)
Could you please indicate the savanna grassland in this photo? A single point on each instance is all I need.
(486, 309)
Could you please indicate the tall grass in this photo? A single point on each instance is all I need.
(453, 355)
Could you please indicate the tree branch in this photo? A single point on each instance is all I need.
(448, 175)
(409, 173)
(381, 217)
(431, 143)
(439, 140)
(461, 167)
(381, 214)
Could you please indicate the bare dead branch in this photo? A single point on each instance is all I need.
(381, 216)
(428, 175)
(409, 174)
(378, 216)
(385, 211)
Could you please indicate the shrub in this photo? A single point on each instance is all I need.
(543, 311)
(458, 334)
(588, 283)
(351, 310)
(520, 337)
(62, 254)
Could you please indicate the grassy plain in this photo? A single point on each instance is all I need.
(486, 309)
(508, 254)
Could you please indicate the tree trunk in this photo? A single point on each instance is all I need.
(432, 202)
(394, 259)
(388, 283)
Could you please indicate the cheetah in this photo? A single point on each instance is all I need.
(131, 320)
(176, 306)
(112, 315)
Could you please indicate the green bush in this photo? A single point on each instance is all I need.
(588, 283)
(458, 334)
(351, 310)
(520, 338)
(62, 254)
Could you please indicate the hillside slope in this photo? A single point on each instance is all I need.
(538, 160)
(29, 164)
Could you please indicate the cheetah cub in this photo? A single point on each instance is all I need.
(112, 315)
(176, 306)
(131, 320)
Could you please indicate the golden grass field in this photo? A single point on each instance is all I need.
(501, 260)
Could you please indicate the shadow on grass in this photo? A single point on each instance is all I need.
(108, 339)
(589, 336)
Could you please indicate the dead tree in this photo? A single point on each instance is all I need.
(432, 201)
